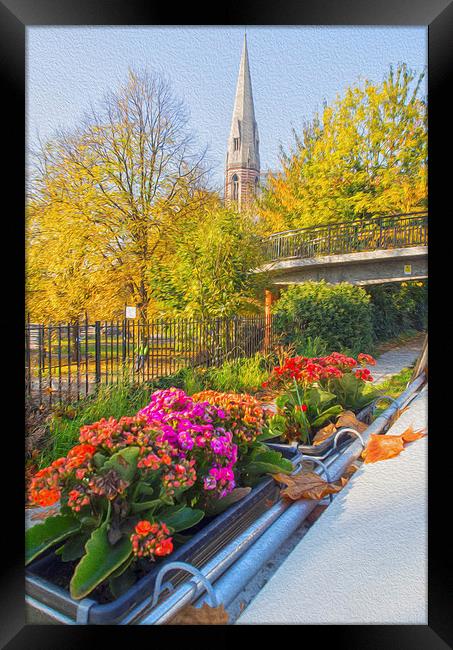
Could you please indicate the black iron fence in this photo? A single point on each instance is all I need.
(393, 231)
(66, 362)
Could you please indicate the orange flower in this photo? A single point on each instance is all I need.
(143, 528)
(45, 497)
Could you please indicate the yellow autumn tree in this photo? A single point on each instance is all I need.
(363, 156)
(104, 199)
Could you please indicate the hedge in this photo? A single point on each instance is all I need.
(348, 318)
(398, 308)
(338, 314)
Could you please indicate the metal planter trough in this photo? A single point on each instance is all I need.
(49, 603)
(336, 440)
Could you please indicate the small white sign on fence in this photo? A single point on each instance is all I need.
(407, 269)
(131, 312)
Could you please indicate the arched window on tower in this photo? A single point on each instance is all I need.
(235, 183)
(236, 144)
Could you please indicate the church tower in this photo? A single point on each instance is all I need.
(242, 172)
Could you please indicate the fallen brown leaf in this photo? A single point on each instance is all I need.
(324, 433)
(410, 435)
(204, 615)
(305, 485)
(382, 447)
(348, 419)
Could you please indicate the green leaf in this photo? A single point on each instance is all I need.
(146, 505)
(124, 462)
(331, 412)
(267, 434)
(185, 518)
(269, 463)
(122, 567)
(74, 547)
(100, 560)
(122, 582)
(52, 530)
(143, 489)
(99, 459)
(282, 401)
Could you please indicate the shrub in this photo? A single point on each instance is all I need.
(337, 316)
(398, 308)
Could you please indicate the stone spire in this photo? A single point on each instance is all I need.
(243, 159)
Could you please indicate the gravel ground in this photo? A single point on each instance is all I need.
(393, 361)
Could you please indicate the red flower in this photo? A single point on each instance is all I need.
(164, 548)
(143, 528)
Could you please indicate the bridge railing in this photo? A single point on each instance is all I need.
(391, 231)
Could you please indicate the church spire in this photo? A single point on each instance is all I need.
(243, 161)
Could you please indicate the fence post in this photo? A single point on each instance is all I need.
(380, 233)
(97, 351)
(268, 300)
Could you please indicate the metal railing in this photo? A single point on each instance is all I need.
(392, 231)
(66, 362)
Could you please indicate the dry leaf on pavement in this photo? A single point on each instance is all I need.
(382, 447)
(410, 435)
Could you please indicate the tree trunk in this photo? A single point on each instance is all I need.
(75, 341)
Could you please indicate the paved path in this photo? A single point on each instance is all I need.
(365, 559)
(392, 362)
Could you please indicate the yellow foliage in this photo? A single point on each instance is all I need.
(365, 155)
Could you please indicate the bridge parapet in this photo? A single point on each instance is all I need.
(386, 232)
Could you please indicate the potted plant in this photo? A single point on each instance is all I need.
(319, 396)
(129, 489)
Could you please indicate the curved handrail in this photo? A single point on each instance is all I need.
(390, 231)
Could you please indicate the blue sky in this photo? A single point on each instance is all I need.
(294, 69)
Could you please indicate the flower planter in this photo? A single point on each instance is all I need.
(326, 445)
(207, 539)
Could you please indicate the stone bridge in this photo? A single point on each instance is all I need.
(373, 251)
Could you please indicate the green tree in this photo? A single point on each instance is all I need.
(365, 155)
(208, 272)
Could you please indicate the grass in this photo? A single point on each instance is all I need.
(239, 376)
(393, 387)
(63, 425)
(65, 422)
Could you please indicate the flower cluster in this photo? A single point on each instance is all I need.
(112, 435)
(364, 374)
(245, 415)
(181, 475)
(319, 369)
(194, 431)
(45, 486)
(151, 540)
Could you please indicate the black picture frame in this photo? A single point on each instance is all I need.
(15, 16)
